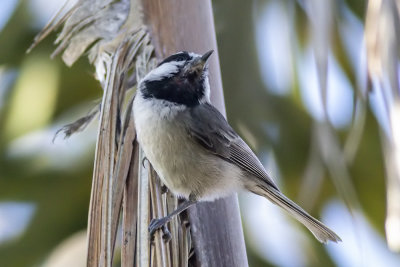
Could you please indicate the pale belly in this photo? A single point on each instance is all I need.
(183, 166)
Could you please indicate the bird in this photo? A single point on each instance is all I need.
(197, 155)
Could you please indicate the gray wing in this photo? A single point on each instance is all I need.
(210, 129)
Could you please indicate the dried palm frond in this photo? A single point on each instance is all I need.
(78, 125)
(326, 148)
(382, 36)
(114, 37)
(320, 15)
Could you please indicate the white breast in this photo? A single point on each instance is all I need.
(183, 166)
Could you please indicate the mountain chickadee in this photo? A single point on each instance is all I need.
(193, 149)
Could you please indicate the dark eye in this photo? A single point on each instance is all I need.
(181, 58)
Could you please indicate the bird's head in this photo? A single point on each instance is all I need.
(181, 78)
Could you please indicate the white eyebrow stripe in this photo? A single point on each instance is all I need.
(194, 55)
(165, 70)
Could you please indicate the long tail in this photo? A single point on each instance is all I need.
(318, 229)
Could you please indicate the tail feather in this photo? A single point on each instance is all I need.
(318, 229)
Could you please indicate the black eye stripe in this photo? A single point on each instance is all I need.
(182, 56)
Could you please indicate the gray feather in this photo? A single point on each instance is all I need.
(318, 229)
(208, 127)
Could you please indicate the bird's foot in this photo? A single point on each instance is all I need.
(156, 224)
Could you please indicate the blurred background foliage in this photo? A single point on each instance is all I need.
(272, 98)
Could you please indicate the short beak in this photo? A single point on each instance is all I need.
(205, 57)
(199, 63)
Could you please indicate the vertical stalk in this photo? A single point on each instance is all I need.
(177, 25)
(143, 242)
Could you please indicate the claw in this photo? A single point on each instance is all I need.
(156, 224)
(164, 189)
(153, 226)
(166, 234)
(184, 219)
(144, 159)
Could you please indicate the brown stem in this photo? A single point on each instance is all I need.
(177, 25)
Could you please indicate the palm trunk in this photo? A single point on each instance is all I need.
(177, 25)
